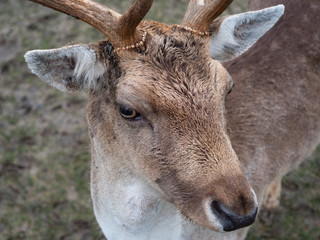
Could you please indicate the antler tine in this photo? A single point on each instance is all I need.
(200, 13)
(116, 27)
(131, 19)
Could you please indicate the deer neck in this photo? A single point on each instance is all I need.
(129, 208)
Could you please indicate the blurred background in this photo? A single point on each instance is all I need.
(44, 147)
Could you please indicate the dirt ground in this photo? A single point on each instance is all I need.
(44, 147)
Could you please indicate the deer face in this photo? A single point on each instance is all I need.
(156, 112)
(165, 122)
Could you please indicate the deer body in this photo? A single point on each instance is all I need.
(277, 97)
(161, 149)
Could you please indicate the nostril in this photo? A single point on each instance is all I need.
(241, 222)
(229, 220)
(217, 209)
(216, 206)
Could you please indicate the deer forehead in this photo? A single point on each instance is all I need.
(173, 58)
(159, 84)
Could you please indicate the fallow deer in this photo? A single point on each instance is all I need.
(274, 110)
(164, 163)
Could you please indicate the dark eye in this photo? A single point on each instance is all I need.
(128, 113)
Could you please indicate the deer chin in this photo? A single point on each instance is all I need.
(203, 217)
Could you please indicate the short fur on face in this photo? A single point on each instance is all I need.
(180, 144)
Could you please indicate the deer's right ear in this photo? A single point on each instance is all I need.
(233, 35)
(69, 68)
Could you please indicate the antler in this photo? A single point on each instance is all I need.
(119, 29)
(201, 13)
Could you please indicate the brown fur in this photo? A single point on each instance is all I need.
(274, 110)
(181, 146)
(179, 149)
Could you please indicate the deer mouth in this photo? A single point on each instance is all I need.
(229, 218)
(216, 215)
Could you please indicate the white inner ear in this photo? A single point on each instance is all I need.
(239, 32)
(70, 68)
(88, 67)
(200, 2)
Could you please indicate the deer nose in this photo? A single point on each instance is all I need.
(229, 220)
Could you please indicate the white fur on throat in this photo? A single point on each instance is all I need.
(127, 207)
(237, 33)
(76, 64)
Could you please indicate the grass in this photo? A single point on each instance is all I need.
(299, 214)
(44, 147)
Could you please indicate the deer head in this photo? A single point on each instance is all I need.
(156, 104)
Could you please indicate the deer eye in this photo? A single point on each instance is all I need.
(128, 113)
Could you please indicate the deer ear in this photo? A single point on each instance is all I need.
(235, 34)
(69, 68)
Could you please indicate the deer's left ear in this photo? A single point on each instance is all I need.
(70, 68)
(235, 34)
